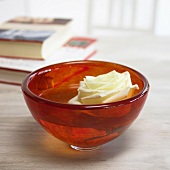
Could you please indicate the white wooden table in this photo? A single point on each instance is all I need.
(145, 145)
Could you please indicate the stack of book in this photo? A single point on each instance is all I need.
(27, 44)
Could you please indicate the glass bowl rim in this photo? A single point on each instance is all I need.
(30, 94)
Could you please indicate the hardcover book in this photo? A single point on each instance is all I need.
(13, 70)
(34, 38)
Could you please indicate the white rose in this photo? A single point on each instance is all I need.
(104, 88)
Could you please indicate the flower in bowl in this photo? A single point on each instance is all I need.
(83, 126)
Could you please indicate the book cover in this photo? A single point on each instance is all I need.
(38, 20)
(25, 35)
(12, 70)
(34, 23)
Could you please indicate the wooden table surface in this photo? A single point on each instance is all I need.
(145, 145)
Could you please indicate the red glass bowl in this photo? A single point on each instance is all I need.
(84, 127)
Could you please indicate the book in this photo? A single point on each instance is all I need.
(34, 38)
(13, 70)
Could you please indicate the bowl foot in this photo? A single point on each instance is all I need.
(83, 149)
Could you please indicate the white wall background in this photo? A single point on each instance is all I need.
(76, 9)
(11, 8)
(162, 25)
(97, 16)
